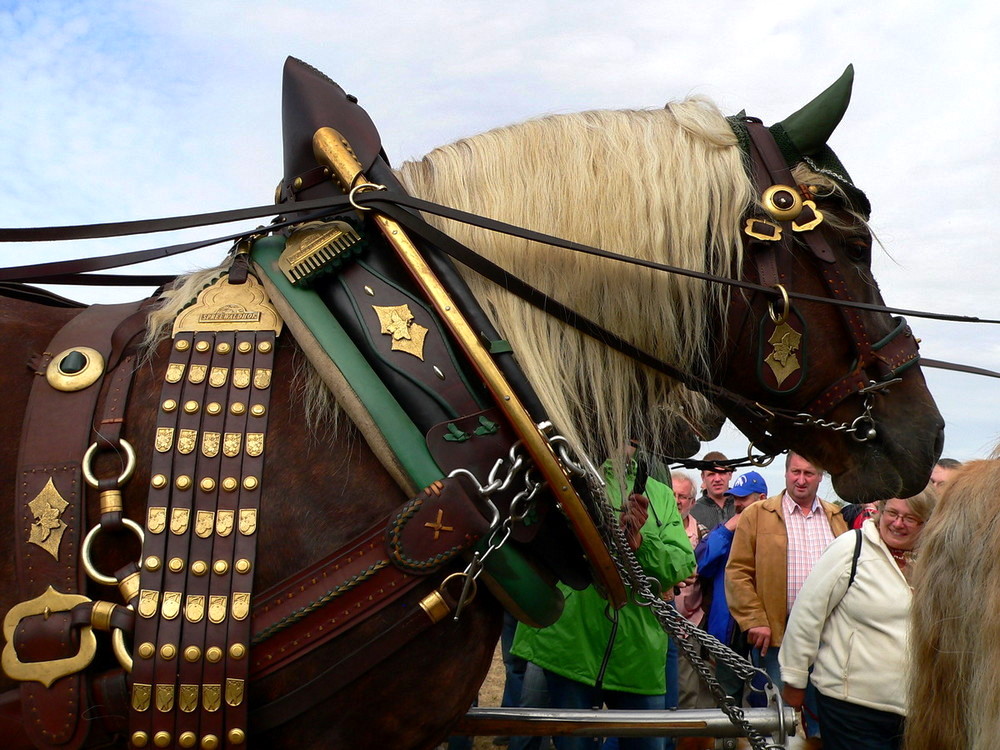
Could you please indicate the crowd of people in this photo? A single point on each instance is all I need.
(815, 594)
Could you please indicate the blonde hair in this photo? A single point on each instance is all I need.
(955, 634)
(665, 185)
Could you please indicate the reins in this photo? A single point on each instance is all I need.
(395, 205)
(77, 271)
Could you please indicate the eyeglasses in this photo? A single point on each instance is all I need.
(680, 496)
(892, 515)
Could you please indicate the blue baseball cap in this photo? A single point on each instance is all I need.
(747, 484)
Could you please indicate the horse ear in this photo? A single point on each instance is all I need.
(811, 127)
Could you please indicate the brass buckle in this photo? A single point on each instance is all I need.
(46, 672)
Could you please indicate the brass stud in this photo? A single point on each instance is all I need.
(237, 408)
(176, 565)
(146, 650)
(207, 484)
(250, 483)
(199, 568)
(182, 345)
(213, 655)
(244, 347)
(191, 407)
(169, 405)
(237, 736)
(229, 484)
(209, 742)
(214, 408)
(153, 562)
(158, 482)
(258, 410)
(242, 566)
(264, 347)
(168, 651)
(221, 567)
(223, 347)
(162, 739)
(192, 654)
(183, 482)
(237, 651)
(140, 739)
(187, 739)
(203, 346)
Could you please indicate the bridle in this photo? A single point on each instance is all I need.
(787, 217)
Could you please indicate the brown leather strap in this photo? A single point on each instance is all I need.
(50, 516)
(350, 667)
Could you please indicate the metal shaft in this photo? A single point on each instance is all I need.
(700, 722)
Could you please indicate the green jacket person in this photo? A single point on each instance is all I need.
(572, 651)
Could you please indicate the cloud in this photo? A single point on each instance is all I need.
(115, 110)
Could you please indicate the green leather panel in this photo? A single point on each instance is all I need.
(397, 428)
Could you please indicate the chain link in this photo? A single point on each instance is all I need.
(690, 640)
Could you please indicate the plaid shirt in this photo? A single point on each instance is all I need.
(808, 535)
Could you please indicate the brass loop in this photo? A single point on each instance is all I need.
(100, 615)
(96, 575)
(362, 188)
(785, 305)
(469, 586)
(121, 651)
(126, 474)
(761, 460)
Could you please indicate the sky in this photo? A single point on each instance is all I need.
(116, 110)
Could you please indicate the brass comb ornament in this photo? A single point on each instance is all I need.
(318, 247)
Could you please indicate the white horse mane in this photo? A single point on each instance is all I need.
(665, 185)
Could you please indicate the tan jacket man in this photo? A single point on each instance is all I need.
(756, 580)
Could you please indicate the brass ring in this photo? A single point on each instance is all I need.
(786, 305)
(94, 573)
(130, 462)
(762, 460)
(363, 187)
(118, 646)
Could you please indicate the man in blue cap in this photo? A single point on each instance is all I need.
(712, 555)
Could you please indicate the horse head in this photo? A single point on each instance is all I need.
(837, 384)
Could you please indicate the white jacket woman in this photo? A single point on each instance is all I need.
(855, 637)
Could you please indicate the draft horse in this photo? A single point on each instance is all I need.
(346, 637)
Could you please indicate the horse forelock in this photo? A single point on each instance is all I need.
(665, 185)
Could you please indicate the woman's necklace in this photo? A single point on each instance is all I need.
(903, 558)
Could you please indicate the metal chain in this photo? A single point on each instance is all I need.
(690, 639)
(521, 505)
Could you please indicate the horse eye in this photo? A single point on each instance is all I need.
(858, 250)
